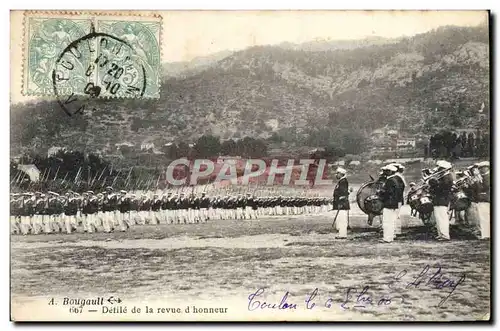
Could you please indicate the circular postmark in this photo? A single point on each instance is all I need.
(97, 65)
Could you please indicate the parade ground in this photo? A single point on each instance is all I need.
(240, 264)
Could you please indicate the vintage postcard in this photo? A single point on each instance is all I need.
(250, 166)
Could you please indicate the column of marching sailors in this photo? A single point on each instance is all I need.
(35, 213)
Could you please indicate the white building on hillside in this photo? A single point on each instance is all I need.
(147, 146)
(406, 142)
(54, 150)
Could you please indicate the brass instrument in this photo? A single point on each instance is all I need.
(436, 175)
(468, 180)
(432, 176)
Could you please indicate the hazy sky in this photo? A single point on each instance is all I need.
(190, 34)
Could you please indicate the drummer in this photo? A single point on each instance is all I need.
(379, 183)
(412, 190)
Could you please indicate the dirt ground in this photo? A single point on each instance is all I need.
(222, 263)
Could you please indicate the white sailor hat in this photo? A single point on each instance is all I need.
(123, 192)
(341, 170)
(390, 167)
(444, 164)
(90, 192)
(412, 183)
(483, 164)
(398, 166)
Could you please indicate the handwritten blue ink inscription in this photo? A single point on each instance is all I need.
(365, 295)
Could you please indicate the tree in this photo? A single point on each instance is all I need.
(485, 146)
(136, 124)
(275, 137)
(353, 142)
(334, 151)
(251, 147)
(183, 149)
(228, 147)
(207, 146)
(478, 145)
(463, 142)
(171, 151)
(470, 145)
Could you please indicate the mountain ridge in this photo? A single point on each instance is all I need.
(306, 97)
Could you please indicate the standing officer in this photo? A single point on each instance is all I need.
(390, 196)
(341, 202)
(440, 190)
(379, 184)
(412, 203)
(483, 199)
(402, 183)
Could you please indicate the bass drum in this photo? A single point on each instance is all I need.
(460, 201)
(368, 200)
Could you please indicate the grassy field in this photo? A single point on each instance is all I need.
(222, 262)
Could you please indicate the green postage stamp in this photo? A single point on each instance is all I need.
(94, 53)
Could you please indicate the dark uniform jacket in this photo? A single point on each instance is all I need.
(440, 190)
(41, 207)
(145, 205)
(205, 202)
(479, 191)
(483, 194)
(156, 205)
(71, 207)
(124, 205)
(341, 195)
(110, 203)
(391, 193)
(401, 188)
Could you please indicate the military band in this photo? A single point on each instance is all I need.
(438, 199)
